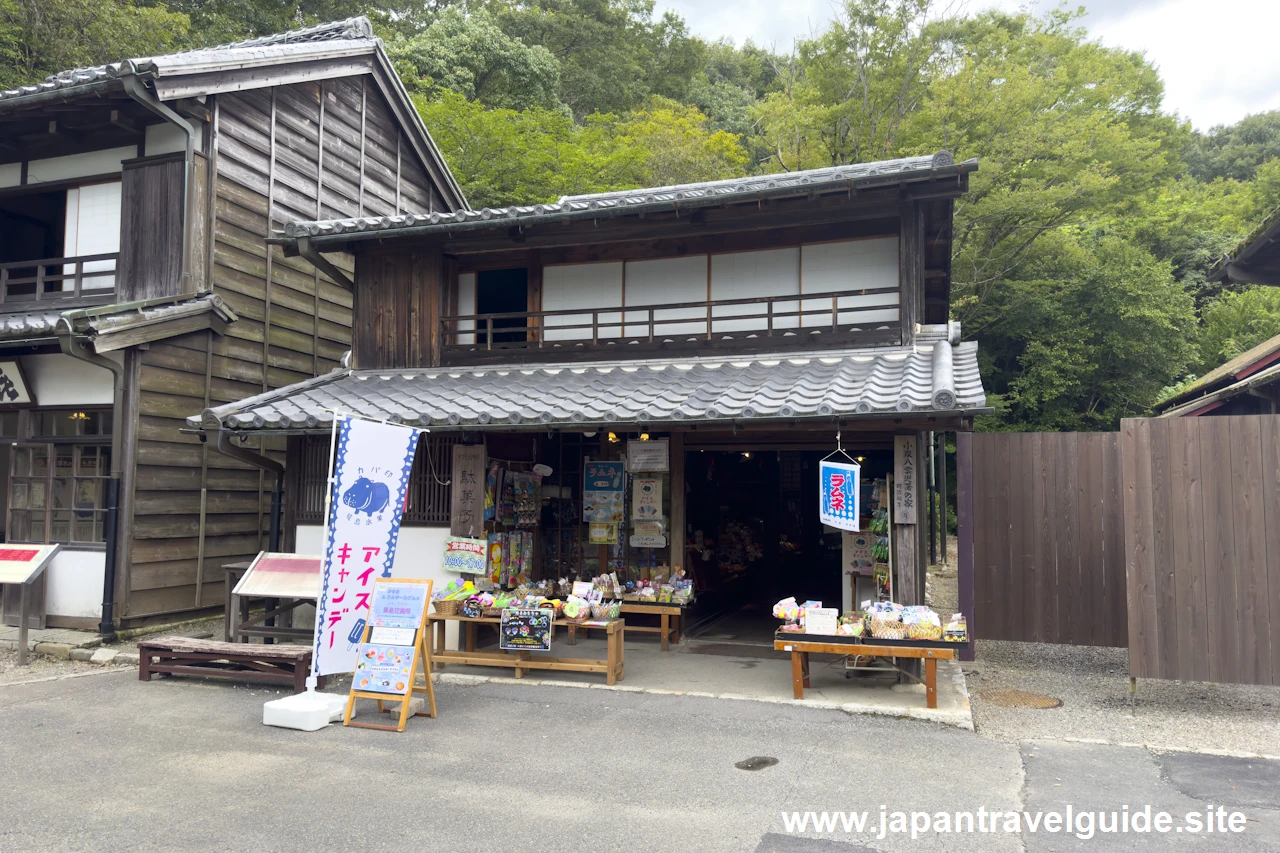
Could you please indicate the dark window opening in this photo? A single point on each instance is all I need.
(502, 292)
(32, 225)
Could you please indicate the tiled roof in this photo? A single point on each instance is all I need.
(293, 44)
(28, 325)
(644, 200)
(935, 375)
(1224, 374)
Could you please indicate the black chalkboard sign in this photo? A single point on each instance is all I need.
(526, 630)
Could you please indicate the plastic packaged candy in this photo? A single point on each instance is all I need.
(956, 629)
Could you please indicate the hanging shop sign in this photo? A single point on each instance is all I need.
(856, 552)
(646, 499)
(649, 455)
(526, 630)
(370, 477)
(463, 556)
(838, 497)
(466, 501)
(602, 489)
(14, 390)
(905, 477)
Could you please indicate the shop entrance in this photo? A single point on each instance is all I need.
(754, 537)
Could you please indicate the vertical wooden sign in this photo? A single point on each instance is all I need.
(905, 479)
(466, 504)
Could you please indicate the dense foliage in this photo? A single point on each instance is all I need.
(1081, 251)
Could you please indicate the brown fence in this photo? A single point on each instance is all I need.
(1202, 515)
(1049, 538)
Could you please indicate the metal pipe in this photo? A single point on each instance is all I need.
(135, 89)
(77, 348)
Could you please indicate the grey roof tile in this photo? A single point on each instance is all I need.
(352, 32)
(626, 202)
(40, 323)
(883, 380)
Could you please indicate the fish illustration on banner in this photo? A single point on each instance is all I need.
(838, 494)
(370, 478)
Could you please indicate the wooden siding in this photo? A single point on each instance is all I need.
(398, 302)
(304, 151)
(151, 228)
(1202, 546)
(1048, 538)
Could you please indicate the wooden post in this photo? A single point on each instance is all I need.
(964, 533)
(942, 495)
(24, 604)
(675, 536)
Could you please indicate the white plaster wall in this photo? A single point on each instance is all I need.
(10, 174)
(60, 380)
(419, 554)
(83, 165)
(168, 138)
(74, 584)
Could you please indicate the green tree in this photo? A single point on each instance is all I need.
(1236, 150)
(468, 53)
(43, 37)
(1237, 322)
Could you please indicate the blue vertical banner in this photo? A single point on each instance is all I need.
(369, 482)
(838, 498)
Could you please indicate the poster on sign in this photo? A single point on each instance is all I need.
(370, 477)
(838, 494)
(464, 556)
(602, 489)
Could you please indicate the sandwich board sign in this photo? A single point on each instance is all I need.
(392, 650)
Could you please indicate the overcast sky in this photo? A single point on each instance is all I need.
(1217, 57)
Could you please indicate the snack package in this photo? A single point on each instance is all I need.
(956, 630)
(787, 609)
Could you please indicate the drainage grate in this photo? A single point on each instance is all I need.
(756, 762)
(1008, 698)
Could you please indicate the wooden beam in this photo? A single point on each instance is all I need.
(193, 108)
(124, 122)
(1248, 275)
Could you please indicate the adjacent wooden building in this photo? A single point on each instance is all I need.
(135, 203)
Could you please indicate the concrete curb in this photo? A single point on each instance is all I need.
(956, 719)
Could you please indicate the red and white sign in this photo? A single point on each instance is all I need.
(22, 563)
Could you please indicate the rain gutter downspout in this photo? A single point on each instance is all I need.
(77, 348)
(135, 89)
(266, 463)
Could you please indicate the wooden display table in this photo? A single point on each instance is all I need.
(671, 615)
(523, 662)
(803, 645)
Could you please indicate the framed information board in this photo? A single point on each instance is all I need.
(526, 630)
(391, 651)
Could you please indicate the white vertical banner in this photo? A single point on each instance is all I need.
(370, 478)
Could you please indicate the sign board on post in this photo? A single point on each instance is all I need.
(370, 477)
(466, 503)
(838, 494)
(602, 486)
(905, 478)
(391, 650)
(22, 564)
(649, 455)
(526, 630)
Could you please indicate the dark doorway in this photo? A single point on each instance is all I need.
(502, 292)
(31, 226)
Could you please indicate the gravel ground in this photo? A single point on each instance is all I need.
(1093, 684)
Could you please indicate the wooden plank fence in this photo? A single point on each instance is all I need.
(1202, 546)
(1049, 538)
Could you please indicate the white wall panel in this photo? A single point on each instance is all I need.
(10, 175)
(86, 165)
(92, 228)
(168, 138)
(74, 585)
(850, 265)
(662, 281)
(750, 275)
(567, 286)
(60, 380)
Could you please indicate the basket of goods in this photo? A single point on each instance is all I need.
(884, 628)
(852, 624)
(956, 630)
(493, 605)
(449, 601)
(922, 623)
(576, 609)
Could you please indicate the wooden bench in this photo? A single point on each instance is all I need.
(803, 645)
(278, 664)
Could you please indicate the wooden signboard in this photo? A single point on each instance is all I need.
(392, 650)
(466, 505)
(905, 479)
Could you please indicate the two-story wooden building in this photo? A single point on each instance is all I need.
(748, 322)
(136, 287)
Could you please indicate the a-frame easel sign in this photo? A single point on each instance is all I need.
(391, 649)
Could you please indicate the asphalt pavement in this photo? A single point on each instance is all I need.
(105, 763)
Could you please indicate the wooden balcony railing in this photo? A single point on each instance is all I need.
(59, 280)
(818, 320)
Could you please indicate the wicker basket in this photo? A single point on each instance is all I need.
(447, 607)
(924, 631)
(886, 629)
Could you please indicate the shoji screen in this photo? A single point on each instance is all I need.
(662, 281)
(466, 305)
(850, 265)
(749, 275)
(577, 286)
(93, 228)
